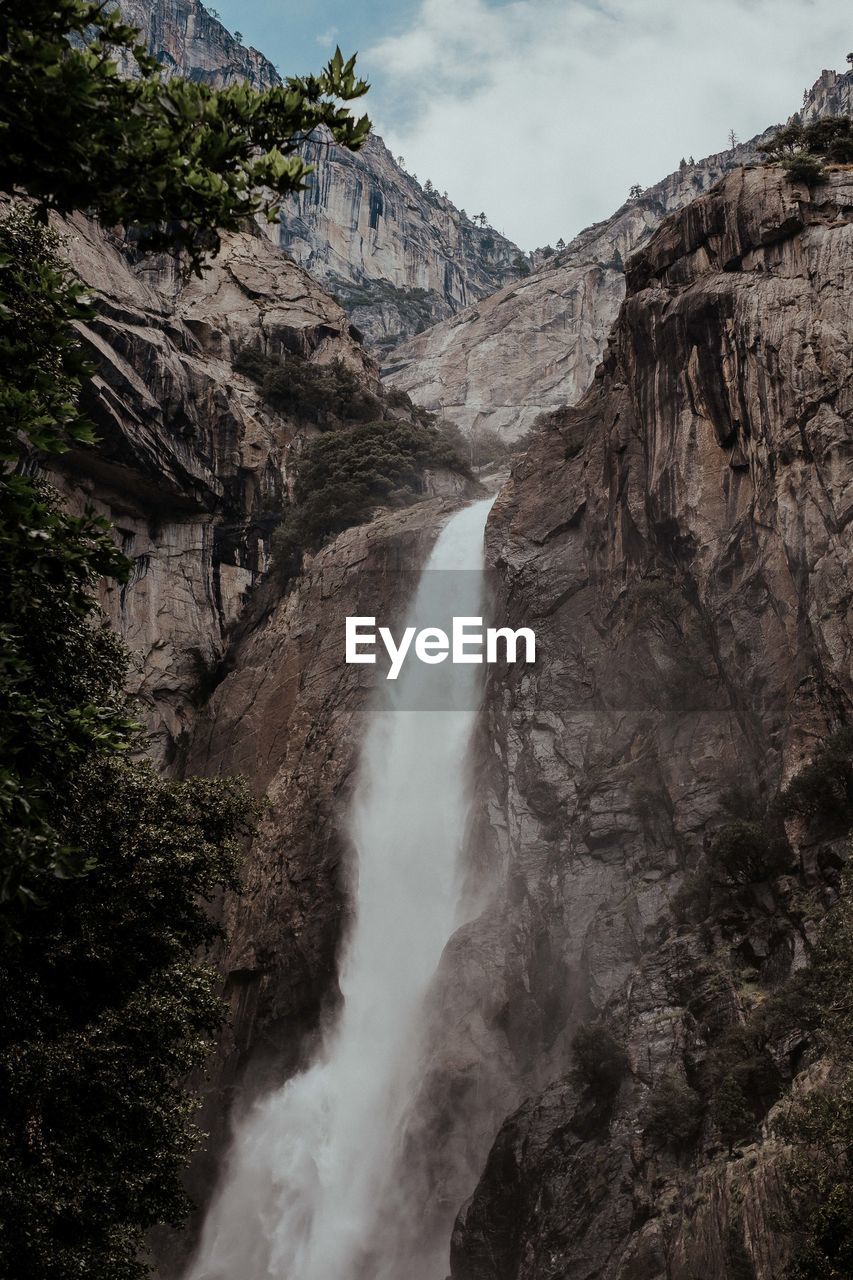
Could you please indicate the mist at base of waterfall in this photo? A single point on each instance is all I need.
(312, 1164)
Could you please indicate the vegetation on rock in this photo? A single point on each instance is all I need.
(803, 150)
(342, 477)
(104, 867)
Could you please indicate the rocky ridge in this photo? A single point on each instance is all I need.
(398, 255)
(533, 346)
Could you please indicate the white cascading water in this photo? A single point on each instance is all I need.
(305, 1179)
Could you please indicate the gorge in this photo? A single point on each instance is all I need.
(523, 975)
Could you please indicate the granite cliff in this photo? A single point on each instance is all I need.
(681, 542)
(533, 346)
(192, 467)
(397, 254)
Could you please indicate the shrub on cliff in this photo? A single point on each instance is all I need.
(822, 792)
(600, 1061)
(804, 149)
(344, 475)
(673, 1112)
(326, 395)
(747, 852)
(732, 1114)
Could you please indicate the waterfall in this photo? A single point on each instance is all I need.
(304, 1183)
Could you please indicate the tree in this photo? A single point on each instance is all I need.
(673, 1112)
(732, 1113)
(177, 162)
(561, 244)
(600, 1061)
(733, 139)
(238, 36)
(636, 192)
(103, 1006)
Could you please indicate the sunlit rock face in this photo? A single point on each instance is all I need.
(192, 466)
(533, 346)
(681, 543)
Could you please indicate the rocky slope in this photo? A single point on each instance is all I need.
(192, 467)
(534, 345)
(398, 255)
(681, 543)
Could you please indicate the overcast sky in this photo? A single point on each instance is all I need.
(544, 112)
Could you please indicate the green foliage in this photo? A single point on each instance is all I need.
(673, 1112)
(822, 792)
(747, 852)
(803, 149)
(104, 1009)
(323, 394)
(176, 160)
(732, 1114)
(59, 670)
(600, 1061)
(344, 475)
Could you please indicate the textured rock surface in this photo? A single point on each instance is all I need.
(681, 543)
(290, 716)
(186, 38)
(534, 345)
(191, 468)
(400, 257)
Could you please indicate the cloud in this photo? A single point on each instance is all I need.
(544, 112)
(327, 37)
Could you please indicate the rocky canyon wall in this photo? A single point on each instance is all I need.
(534, 345)
(680, 541)
(397, 254)
(192, 466)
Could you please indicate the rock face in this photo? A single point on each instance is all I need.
(680, 541)
(534, 345)
(398, 255)
(188, 41)
(290, 717)
(192, 468)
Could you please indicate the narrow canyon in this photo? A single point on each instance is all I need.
(452, 891)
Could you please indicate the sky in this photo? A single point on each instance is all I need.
(543, 113)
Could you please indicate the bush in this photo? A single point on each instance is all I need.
(804, 168)
(822, 792)
(732, 1113)
(600, 1061)
(323, 394)
(802, 149)
(746, 852)
(344, 475)
(673, 1112)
